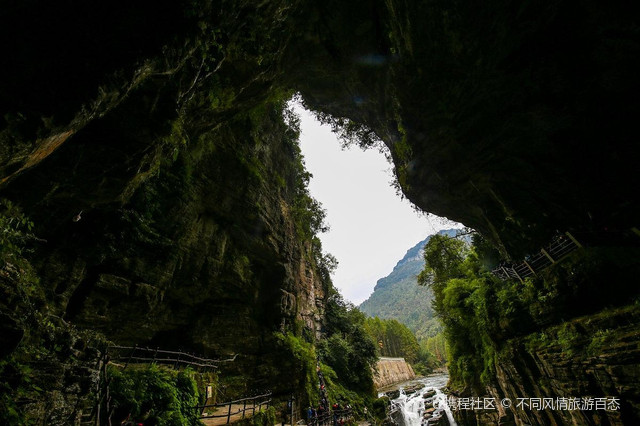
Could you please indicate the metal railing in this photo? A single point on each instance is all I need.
(232, 408)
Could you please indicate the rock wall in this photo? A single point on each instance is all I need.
(168, 197)
(392, 370)
(157, 126)
(483, 110)
(593, 357)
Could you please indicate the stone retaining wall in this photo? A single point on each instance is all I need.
(391, 371)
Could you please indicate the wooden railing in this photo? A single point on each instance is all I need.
(137, 354)
(102, 410)
(327, 418)
(560, 247)
(233, 408)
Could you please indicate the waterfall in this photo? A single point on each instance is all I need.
(409, 409)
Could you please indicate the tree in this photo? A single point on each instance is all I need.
(443, 256)
(348, 348)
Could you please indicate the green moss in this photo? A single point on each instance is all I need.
(305, 360)
(337, 392)
(568, 339)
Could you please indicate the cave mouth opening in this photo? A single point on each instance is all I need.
(371, 225)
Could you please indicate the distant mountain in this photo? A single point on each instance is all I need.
(398, 295)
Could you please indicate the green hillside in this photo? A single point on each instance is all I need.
(398, 296)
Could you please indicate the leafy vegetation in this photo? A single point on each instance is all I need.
(350, 132)
(307, 211)
(345, 355)
(264, 418)
(15, 230)
(394, 339)
(156, 395)
(38, 348)
(301, 357)
(481, 313)
(397, 296)
(348, 349)
(27, 334)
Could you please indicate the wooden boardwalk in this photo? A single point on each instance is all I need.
(229, 412)
(559, 248)
(237, 413)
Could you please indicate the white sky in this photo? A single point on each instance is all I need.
(371, 227)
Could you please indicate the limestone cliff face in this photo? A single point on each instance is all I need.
(390, 371)
(158, 125)
(204, 254)
(489, 119)
(494, 114)
(167, 192)
(588, 357)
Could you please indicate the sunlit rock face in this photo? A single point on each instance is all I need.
(390, 371)
(516, 120)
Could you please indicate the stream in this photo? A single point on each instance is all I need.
(408, 408)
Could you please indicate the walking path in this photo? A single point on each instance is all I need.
(236, 414)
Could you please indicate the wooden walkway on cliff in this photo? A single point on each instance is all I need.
(102, 410)
(232, 411)
(146, 355)
(561, 246)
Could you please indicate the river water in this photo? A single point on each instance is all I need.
(409, 407)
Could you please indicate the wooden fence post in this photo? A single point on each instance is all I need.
(573, 239)
(177, 361)
(517, 274)
(529, 266)
(130, 355)
(548, 255)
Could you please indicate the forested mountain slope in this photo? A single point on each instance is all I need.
(398, 295)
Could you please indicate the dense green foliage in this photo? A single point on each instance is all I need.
(345, 355)
(394, 339)
(435, 346)
(154, 394)
(443, 260)
(397, 296)
(264, 418)
(15, 231)
(307, 211)
(348, 349)
(32, 339)
(480, 312)
(299, 355)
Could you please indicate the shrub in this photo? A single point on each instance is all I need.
(155, 394)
